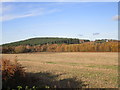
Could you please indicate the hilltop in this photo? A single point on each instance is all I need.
(44, 40)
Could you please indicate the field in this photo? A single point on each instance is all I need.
(96, 70)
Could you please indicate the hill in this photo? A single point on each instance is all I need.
(59, 45)
(41, 41)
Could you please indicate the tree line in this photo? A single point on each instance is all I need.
(83, 47)
(42, 41)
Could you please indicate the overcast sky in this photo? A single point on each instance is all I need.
(84, 20)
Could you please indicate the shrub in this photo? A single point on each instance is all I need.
(7, 49)
(12, 73)
(20, 49)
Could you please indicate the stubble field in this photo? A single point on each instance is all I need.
(96, 70)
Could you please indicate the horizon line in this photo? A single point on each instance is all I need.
(57, 37)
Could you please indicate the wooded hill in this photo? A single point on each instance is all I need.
(60, 45)
(42, 41)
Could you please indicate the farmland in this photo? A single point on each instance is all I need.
(97, 70)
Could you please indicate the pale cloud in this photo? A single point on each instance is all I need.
(95, 34)
(11, 17)
(33, 13)
(8, 0)
(0, 8)
(6, 9)
(80, 34)
(116, 18)
(60, 0)
(9, 12)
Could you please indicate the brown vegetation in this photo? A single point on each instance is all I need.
(84, 47)
(12, 73)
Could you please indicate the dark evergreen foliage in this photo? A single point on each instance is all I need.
(41, 41)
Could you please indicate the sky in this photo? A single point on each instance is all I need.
(83, 20)
(60, 0)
